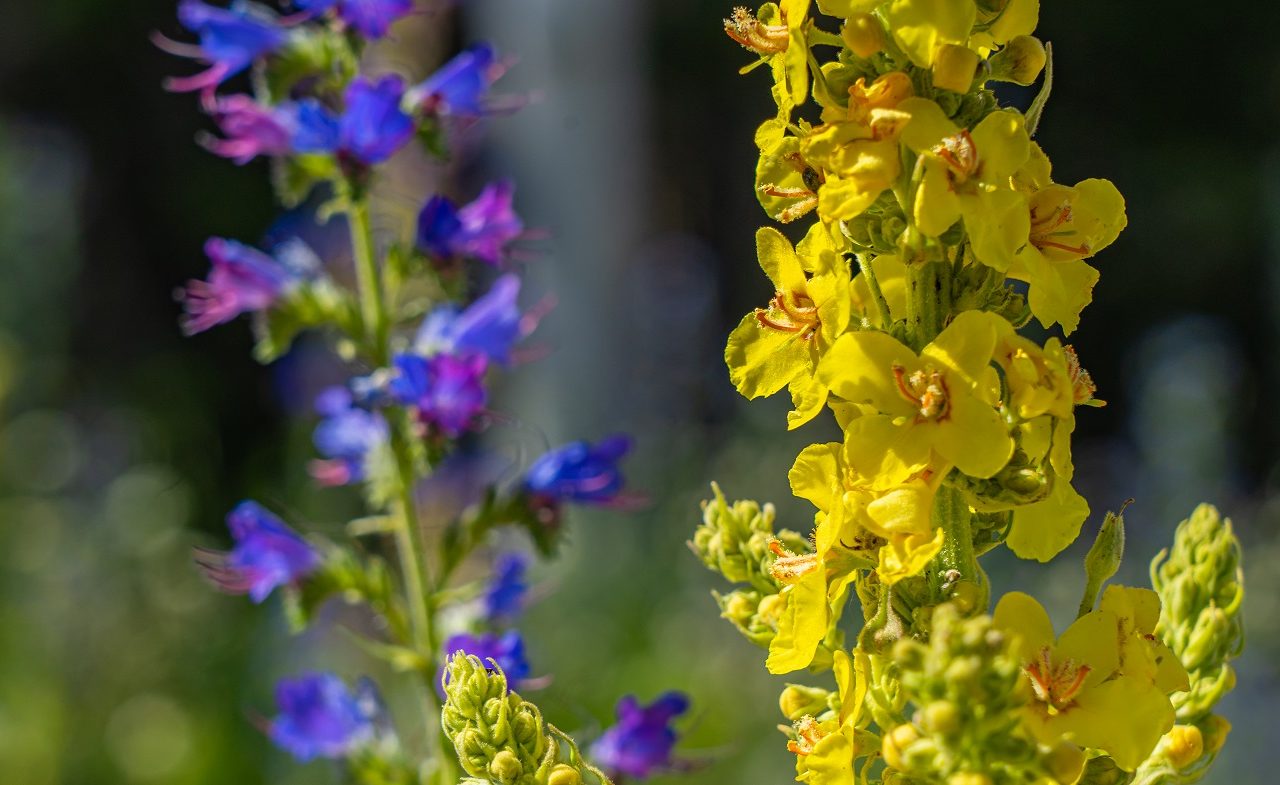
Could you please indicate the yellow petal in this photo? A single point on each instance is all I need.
(808, 396)
(1124, 717)
(859, 368)
(973, 436)
(1091, 640)
(1019, 17)
(1021, 615)
(928, 125)
(1003, 145)
(877, 447)
(762, 360)
(802, 625)
(903, 557)
(906, 509)
(779, 261)
(1138, 609)
(1058, 291)
(921, 26)
(815, 472)
(998, 224)
(966, 346)
(1042, 530)
(937, 207)
(1098, 213)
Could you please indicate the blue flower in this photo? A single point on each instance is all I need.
(459, 87)
(446, 391)
(230, 40)
(251, 129)
(241, 280)
(490, 326)
(505, 595)
(480, 230)
(580, 472)
(346, 436)
(641, 743)
(370, 17)
(507, 650)
(267, 554)
(370, 129)
(319, 717)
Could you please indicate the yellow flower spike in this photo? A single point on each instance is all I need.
(775, 345)
(922, 27)
(934, 398)
(968, 175)
(1080, 692)
(1068, 225)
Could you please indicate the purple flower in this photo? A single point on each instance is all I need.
(446, 391)
(346, 436)
(319, 717)
(507, 650)
(480, 230)
(460, 86)
(370, 129)
(505, 595)
(370, 17)
(641, 743)
(230, 40)
(490, 326)
(241, 280)
(251, 129)
(267, 554)
(580, 472)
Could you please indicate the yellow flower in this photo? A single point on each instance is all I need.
(1082, 688)
(935, 402)
(857, 147)
(968, 175)
(1067, 225)
(826, 751)
(922, 27)
(889, 522)
(810, 308)
(777, 33)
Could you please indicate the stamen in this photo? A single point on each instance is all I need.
(752, 34)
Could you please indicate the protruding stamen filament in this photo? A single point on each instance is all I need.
(753, 34)
(960, 154)
(808, 734)
(1056, 686)
(1082, 386)
(926, 390)
(790, 312)
(789, 567)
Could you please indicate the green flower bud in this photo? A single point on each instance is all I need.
(863, 34)
(1103, 559)
(1201, 586)
(505, 767)
(497, 735)
(1020, 61)
(564, 775)
(1104, 771)
(734, 541)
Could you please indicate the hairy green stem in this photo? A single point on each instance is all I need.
(409, 549)
(877, 295)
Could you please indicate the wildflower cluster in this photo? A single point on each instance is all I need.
(938, 233)
(429, 323)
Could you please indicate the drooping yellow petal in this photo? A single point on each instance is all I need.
(937, 206)
(903, 557)
(1058, 291)
(815, 473)
(801, 626)
(1021, 615)
(1042, 530)
(808, 396)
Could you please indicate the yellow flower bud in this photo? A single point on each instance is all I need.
(954, 68)
(771, 608)
(505, 767)
(1020, 61)
(1214, 731)
(798, 700)
(1065, 763)
(895, 742)
(941, 717)
(564, 775)
(968, 778)
(1183, 745)
(863, 34)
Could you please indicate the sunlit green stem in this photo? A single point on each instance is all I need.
(877, 295)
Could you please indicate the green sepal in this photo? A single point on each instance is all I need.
(314, 303)
(354, 579)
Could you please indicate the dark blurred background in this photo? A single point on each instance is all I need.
(122, 444)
